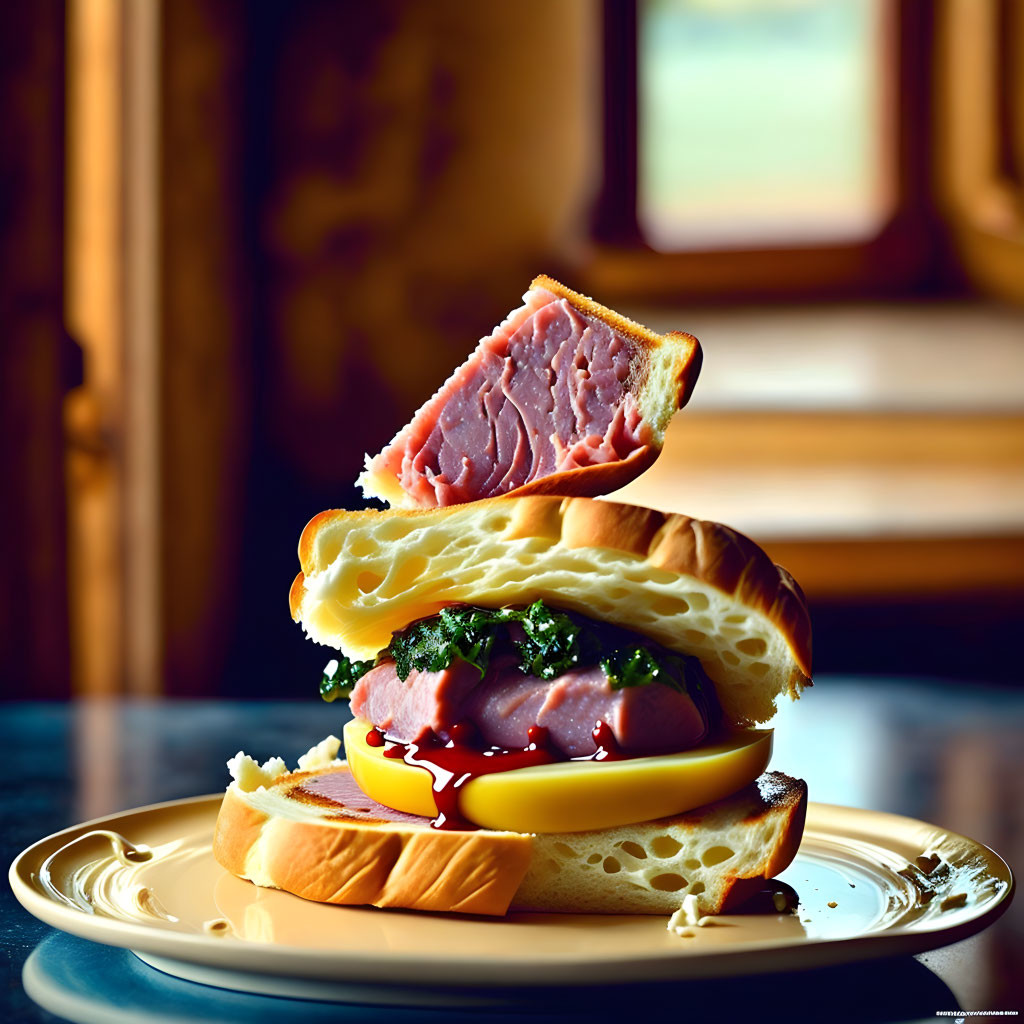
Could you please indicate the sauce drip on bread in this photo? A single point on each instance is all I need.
(453, 763)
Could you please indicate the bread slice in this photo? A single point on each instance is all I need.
(323, 854)
(576, 403)
(697, 587)
(277, 831)
(649, 868)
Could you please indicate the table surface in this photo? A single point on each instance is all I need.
(947, 752)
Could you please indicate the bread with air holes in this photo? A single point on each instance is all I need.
(662, 372)
(275, 835)
(697, 587)
(648, 868)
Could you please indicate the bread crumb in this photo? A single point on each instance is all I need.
(323, 755)
(687, 916)
(959, 900)
(833, 904)
(250, 775)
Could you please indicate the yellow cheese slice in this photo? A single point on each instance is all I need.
(569, 796)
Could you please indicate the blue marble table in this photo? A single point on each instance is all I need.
(946, 752)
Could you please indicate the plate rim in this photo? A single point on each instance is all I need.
(286, 960)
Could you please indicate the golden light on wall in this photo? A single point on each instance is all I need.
(110, 309)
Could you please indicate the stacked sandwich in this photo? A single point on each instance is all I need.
(555, 698)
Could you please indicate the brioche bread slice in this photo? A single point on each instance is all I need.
(564, 397)
(696, 587)
(276, 829)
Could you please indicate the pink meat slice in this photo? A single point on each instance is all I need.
(644, 719)
(405, 707)
(341, 788)
(545, 393)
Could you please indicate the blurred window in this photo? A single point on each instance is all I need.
(761, 123)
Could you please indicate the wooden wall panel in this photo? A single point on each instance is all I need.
(36, 361)
(112, 417)
(204, 354)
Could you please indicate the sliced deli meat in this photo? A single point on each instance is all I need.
(403, 708)
(337, 789)
(564, 397)
(505, 703)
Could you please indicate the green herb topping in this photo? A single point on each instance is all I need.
(340, 675)
(547, 643)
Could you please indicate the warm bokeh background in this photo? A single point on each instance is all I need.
(243, 242)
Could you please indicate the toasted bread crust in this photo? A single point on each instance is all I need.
(592, 481)
(334, 859)
(238, 828)
(674, 555)
(330, 858)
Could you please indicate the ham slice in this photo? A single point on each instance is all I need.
(504, 704)
(339, 789)
(557, 389)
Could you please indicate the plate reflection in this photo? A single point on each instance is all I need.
(87, 983)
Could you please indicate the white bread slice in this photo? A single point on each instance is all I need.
(649, 868)
(662, 375)
(278, 836)
(697, 587)
(323, 856)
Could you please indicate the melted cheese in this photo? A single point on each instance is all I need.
(570, 796)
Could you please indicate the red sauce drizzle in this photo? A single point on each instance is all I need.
(608, 748)
(463, 758)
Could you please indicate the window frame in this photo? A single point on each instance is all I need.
(899, 259)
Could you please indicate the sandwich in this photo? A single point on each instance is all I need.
(556, 706)
(555, 700)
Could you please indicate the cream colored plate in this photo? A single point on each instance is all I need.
(180, 911)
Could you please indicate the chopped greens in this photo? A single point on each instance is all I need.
(554, 642)
(433, 644)
(548, 643)
(340, 675)
(639, 665)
